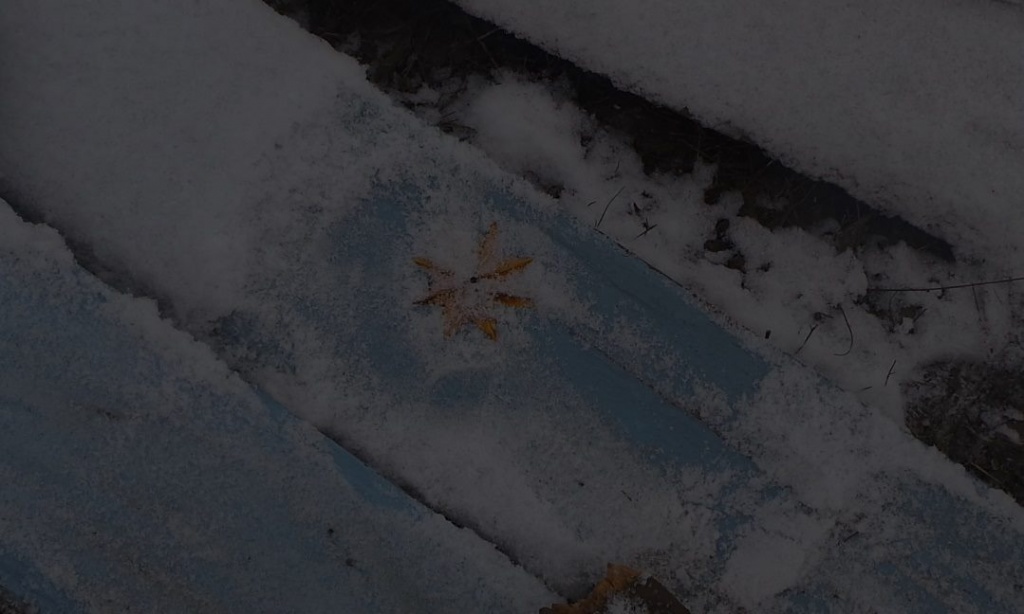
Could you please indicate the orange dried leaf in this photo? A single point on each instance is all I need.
(441, 297)
(459, 306)
(489, 326)
(485, 253)
(508, 267)
(618, 580)
(435, 271)
(510, 300)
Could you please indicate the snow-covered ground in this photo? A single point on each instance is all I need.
(814, 302)
(821, 295)
(915, 104)
(139, 473)
(222, 161)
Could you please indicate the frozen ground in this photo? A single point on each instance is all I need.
(248, 178)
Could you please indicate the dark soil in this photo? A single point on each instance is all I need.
(973, 413)
(9, 604)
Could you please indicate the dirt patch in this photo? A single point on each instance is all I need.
(974, 413)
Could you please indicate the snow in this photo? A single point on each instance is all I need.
(133, 136)
(764, 565)
(545, 147)
(813, 302)
(232, 167)
(140, 473)
(914, 105)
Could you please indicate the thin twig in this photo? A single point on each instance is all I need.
(647, 229)
(806, 339)
(480, 41)
(849, 329)
(601, 219)
(1008, 280)
(996, 480)
(892, 368)
(483, 36)
(615, 173)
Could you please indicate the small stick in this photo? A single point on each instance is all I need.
(849, 329)
(483, 45)
(889, 374)
(601, 219)
(615, 173)
(647, 229)
(806, 339)
(1008, 280)
(483, 36)
(994, 479)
